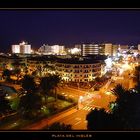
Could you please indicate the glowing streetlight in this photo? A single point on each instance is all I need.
(80, 101)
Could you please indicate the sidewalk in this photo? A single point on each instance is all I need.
(48, 121)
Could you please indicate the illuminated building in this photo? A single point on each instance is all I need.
(115, 50)
(22, 48)
(101, 49)
(7, 62)
(75, 51)
(40, 63)
(78, 70)
(90, 49)
(15, 49)
(78, 46)
(51, 50)
(123, 48)
(108, 49)
(139, 47)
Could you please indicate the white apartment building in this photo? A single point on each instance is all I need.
(51, 50)
(22, 48)
(78, 70)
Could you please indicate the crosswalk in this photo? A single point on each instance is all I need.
(87, 108)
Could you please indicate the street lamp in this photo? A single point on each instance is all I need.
(80, 101)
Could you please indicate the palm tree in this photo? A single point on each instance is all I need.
(46, 87)
(30, 105)
(48, 84)
(6, 74)
(119, 91)
(4, 103)
(28, 83)
(55, 80)
(122, 95)
(99, 120)
(125, 114)
(17, 72)
(16, 64)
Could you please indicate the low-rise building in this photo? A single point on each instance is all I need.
(78, 70)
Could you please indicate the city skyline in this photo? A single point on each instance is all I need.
(68, 27)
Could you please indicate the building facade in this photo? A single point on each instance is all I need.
(123, 48)
(51, 50)
(108, 49)
(89, 49)
(78, 70)
(22, 48)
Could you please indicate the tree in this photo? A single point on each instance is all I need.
(127, 113)
(40, 70)
(34, 73)
(124, 111)
(119, 91)
(30, 105)
(6, 74)
(55, 80)
(16, 64)
(25, 69)
(4, 103)
(17, 72)
(124, 116)
(48, 84)
(98, 79)
(46, 87)
(28, 83)
(98, 120)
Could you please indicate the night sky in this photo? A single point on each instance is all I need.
(68, 27)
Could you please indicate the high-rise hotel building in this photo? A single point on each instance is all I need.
(51, 50)
(22, 48)
(89, 49)
(99, 49)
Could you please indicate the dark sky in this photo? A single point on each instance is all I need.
(68, 27)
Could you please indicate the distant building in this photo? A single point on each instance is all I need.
(139, 47)
(15, 49)
(78, 46)
(123, 48)
(22, 48)
(108, 49)
(115, 50)
(89, 49)
(74, 51)
(99, 49)
(51, 50)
